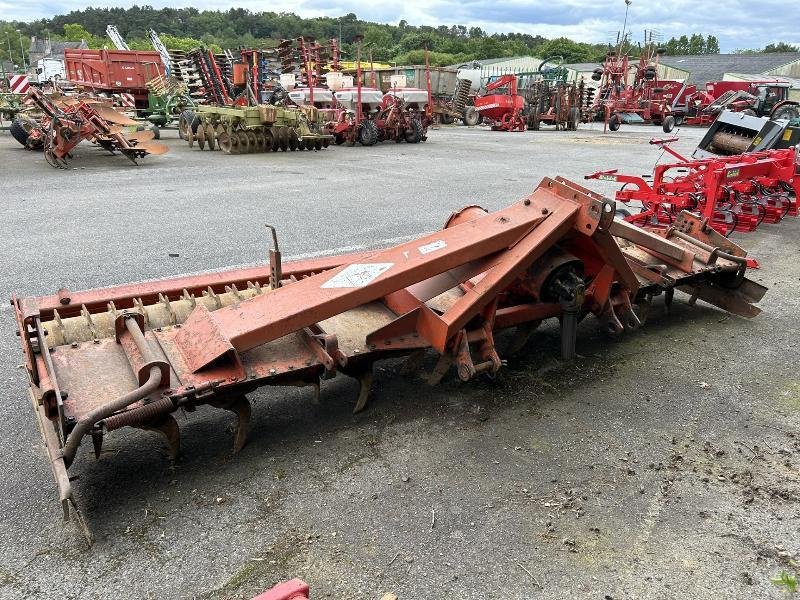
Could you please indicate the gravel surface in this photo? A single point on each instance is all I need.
(663, 465)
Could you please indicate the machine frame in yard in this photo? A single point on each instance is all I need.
(133, 355)
(261, 128)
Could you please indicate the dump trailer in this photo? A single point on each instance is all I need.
(114, 71)
(134, 355)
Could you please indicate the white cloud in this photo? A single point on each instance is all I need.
(737, 23)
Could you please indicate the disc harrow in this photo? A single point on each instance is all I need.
(133, 355)
(262, 128)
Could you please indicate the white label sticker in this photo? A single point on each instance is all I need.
(357, 275)
(433, 246)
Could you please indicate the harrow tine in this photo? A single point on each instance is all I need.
(443, 365)
(364, 388)
(82, 524)
(240, 406)
(520, 337)
(413, 363)
(168, 427)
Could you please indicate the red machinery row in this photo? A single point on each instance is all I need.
(735, 193)
(633, 92)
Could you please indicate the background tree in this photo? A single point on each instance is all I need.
(184, 28)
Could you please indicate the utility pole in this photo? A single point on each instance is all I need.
(22, 51)
(10, 58)
(625, 24)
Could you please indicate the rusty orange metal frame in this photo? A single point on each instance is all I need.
(132, 355)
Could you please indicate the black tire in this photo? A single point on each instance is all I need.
(669, 124)
(446, 119)
(788, 111)
(678, 120)
(471, 116)
(534, 123)
(614, 122)
(187, 119)
(574, 119)
(415, 133)
(368, 134)
(283, 138)
(20, 129)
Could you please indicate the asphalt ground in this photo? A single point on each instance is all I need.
(663, 465)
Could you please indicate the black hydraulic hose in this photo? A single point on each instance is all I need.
(106, 410)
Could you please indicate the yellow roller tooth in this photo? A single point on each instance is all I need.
(232, 289)
(211, 294)
(166, 303)
(189, 298)
(89, 322)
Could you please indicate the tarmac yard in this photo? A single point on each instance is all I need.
(663, 465)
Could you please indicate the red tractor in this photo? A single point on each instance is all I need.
(756, 98)
(504, 111)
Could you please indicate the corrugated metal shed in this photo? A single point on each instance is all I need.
(712, 67)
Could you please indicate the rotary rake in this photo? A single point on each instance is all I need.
(133, 355)
(65, 124)
(734, 193)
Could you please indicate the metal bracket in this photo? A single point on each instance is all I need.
(275, 267)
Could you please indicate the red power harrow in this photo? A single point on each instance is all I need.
(734, 193)
(64, 125)
(135, 354)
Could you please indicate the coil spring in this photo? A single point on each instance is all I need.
(139, 416)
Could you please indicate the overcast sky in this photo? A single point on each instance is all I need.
(737, 23)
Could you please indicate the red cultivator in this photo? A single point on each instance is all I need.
(734, 193)
(64, 125)
(135, 354)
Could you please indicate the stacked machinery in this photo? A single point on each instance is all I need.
(551, 99)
